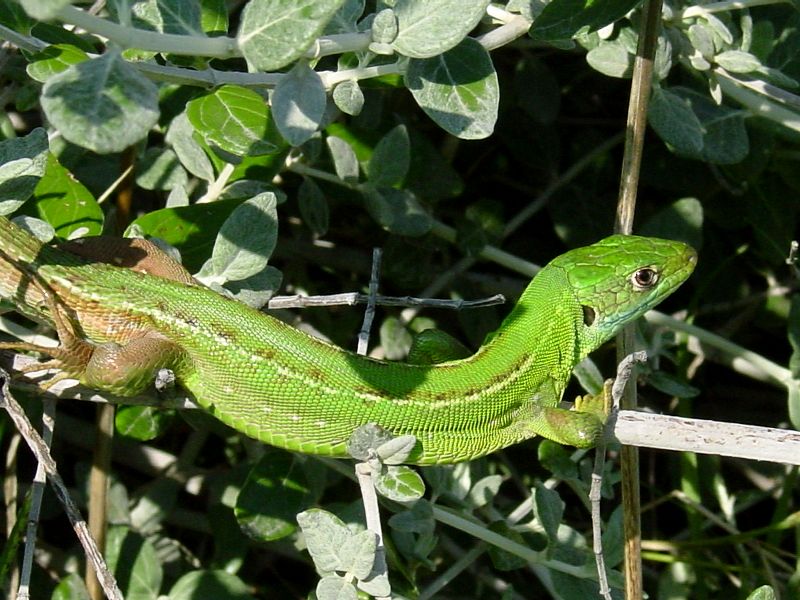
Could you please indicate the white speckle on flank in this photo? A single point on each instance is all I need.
(295, 418)
(321, 423)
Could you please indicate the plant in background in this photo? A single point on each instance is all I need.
(294, 135)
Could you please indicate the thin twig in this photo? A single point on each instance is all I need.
(364, 469)
(355, 298)
(369, 313)
(43, 456)
(641, 84)
(37, 493)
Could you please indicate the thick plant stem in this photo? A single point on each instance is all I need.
(641, 85)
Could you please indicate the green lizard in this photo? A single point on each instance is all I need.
(117, 327)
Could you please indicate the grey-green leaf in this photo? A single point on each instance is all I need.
(325, 534)
(391, 158)
(273, 33)
(396, 450)
(245, 241)
(737, 61)
(298, 103)
(348, 97)
(425, 29)
(549, 509)
(357, 555)
(612, 59)
(345, 162)
(188, 150)
(458, 90)
(22, 164)
(313, 207)
(333, 587)
(43, 10)
(104, 104)
(397, 211)
(674, 120)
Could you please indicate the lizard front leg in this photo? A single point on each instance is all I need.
(582, 426)
(123, 369)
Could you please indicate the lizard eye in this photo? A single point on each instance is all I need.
(644, 278)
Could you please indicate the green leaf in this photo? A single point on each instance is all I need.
(54, 59)
(274, 33)
(142, 423)
(71, 587)
(612, 59)
(397, 211)
(191, 229)
(390, 159)
(298, 103)
(458, 90)
(13, 16)
(171, 16)
(234, 119)
(400, 483)
(671, 385)
(245, 241)
(209, 584)
(103, 104)
(426, 29)
(502, 560)
(417, 519)
(23, 162)
(65, 203)
(563, 19)
(674, 121)
(214, 16)
(135, 564)
(765, 592)
(275, 491)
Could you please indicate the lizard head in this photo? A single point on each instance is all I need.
(621, 277)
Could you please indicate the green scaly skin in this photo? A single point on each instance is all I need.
(281, 386)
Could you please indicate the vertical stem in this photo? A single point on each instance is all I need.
(98, 490)
(641, 85)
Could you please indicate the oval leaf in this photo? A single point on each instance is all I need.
(298, 104)
(425, 29)
(234, 119)
(273, 33)
(104, 104)
(458, 90)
